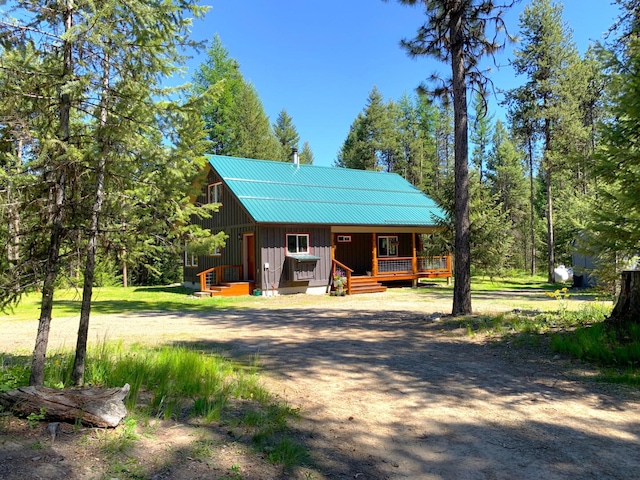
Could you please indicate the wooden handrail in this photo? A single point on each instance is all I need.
(203, 278)
(219, 275)
(347, 270)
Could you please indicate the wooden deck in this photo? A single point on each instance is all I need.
(230, 289)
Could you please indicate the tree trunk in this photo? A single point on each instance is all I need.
(550, 236)
(548, 173)
(57, 216)
(462, 282)
(627, 309)
(95, 407)
(125, 274)
(51, 270)
(77, 375)
(532, 231)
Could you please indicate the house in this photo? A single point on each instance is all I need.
(290, 227)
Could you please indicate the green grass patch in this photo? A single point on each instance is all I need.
(580, 333)
(515, 281)
(110, 300)
(173, 382)
(615, 349)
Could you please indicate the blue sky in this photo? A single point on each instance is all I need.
(320, 59)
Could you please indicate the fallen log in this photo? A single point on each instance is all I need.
(94, 407)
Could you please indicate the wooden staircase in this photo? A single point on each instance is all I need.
(229, 289)
(366, 285)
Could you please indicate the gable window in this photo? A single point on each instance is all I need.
(388, 246)
(190, 259)
(297, 243)
(214, 192)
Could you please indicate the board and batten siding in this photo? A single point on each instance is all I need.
(230, 218)
(272, 250)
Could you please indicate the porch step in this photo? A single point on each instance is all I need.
(232, 289)
(366, 285)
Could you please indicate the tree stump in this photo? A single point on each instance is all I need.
(627, 309)
(94, 407)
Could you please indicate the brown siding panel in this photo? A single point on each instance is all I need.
(230, 218)
(355, 254)
(271, 240)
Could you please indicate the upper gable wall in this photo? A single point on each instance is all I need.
(229, 215)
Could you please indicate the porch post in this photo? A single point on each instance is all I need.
(414, 260)
(374, 255)
(333, 254)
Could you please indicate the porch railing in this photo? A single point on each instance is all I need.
(396, 265)
(219, 275)
(348, 271)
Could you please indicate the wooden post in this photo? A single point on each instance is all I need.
(374, 255)
(333, 255)
(414, 259)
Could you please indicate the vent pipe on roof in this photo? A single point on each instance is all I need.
(294, 156)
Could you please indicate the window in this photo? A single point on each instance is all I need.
(190, 259)
(388, 246)
(217, 251)
(297, 243)
(214, 192)
(344, 238)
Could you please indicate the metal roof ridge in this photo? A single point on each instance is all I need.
(338, 202)
(413, 191)
(306, 165)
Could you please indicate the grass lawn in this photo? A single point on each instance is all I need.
(520, 281)
(113, 300)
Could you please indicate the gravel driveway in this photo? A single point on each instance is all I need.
(389, 390)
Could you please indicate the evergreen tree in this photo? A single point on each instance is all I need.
(480, 134)
(526, 127)
(507, 180)
(371, 143)
(219, 79)
(454, 32)
(286, 134)
(108, 128)
(306, 155)
(355, 151)
(250, 131)
(233, 112)
(546, 53)
(614, 228)
(505, 174)
(411, 143)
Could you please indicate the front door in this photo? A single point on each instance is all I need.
(249, 254)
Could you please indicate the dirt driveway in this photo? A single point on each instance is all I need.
(388, 390)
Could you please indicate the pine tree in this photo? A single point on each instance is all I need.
(614, 227)
(526, 127)
(109, 125)
(371, 143)
(233, 112)
(251, 135)
(480, 134)
(306, 154)
(286, 134)
(454, 32)
(508, 185)
(546, 53)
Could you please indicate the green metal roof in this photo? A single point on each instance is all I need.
(280, 192)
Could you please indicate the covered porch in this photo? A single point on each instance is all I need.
(371, 258)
